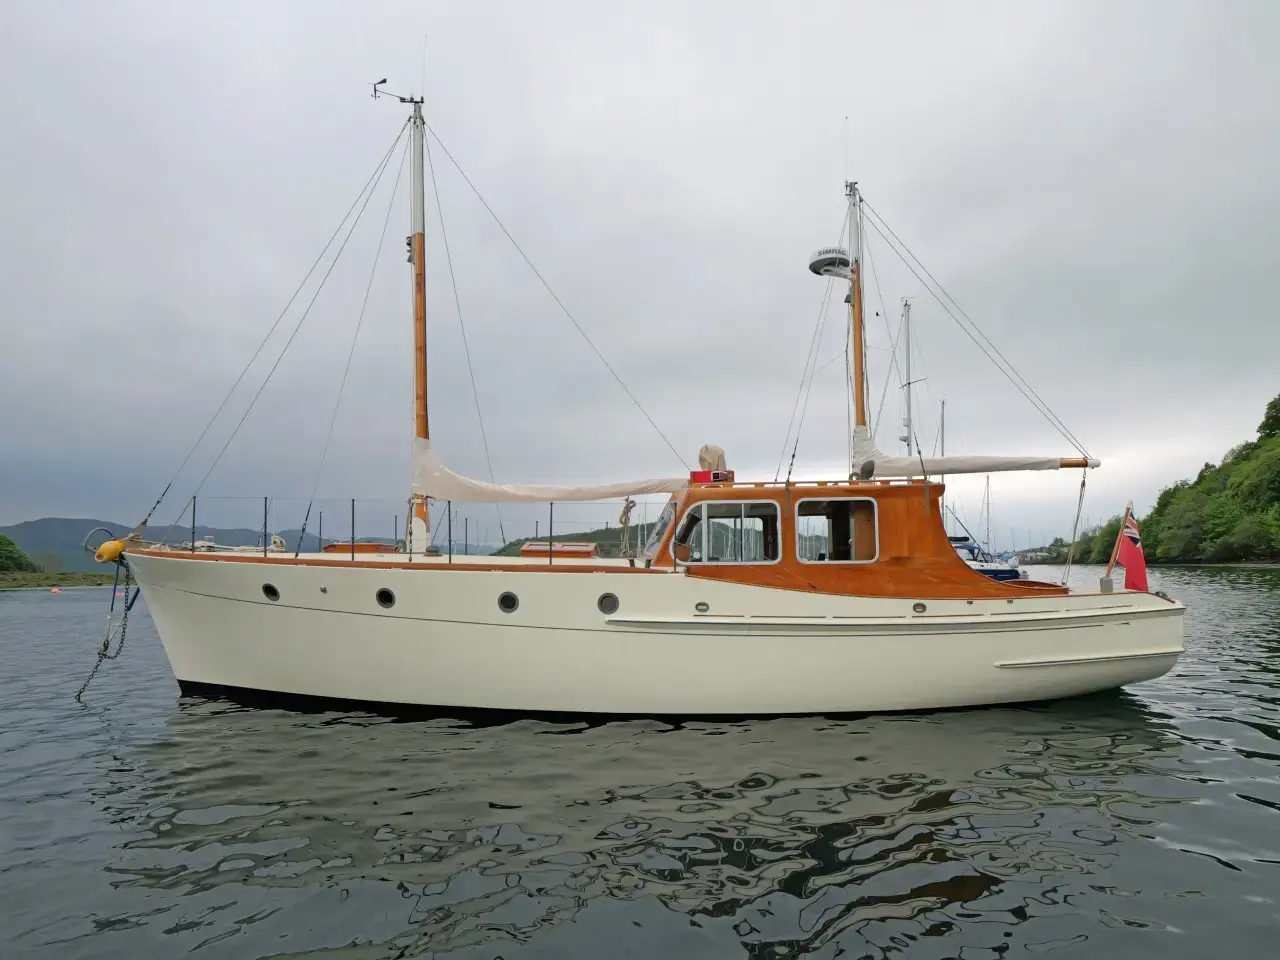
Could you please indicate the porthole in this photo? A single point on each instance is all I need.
(508, 602)
(702, 606)
(270, 592)
(919, 607)
(608, 603)
(386, 599)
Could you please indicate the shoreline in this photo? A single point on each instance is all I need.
(1234, 564)
(36, 581)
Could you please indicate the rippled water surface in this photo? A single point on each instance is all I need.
(1139, 824)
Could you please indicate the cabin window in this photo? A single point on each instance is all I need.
(730, 532)
(660, 527)
(842, 530)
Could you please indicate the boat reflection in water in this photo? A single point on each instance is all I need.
(296, 830)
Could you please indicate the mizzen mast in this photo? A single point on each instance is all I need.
(857, 327)
(840, 263)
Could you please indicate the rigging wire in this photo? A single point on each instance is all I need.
(893, 339)
(810, 358)
(923, 405)
(809, 390)
(346, 370)
(1075, 527)
(466, 346)
(554, 296)
(256, 353)
(441, 519)
(305, 313)
(1003, 364)
(818, 370)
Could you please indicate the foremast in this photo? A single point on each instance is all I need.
(417, 258)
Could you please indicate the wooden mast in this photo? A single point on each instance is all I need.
(855, 305)
(417, 244)
(864, 522)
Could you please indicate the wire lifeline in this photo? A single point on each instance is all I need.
(1009, 371)
(303, 318)
(560, 303)
(346, 370)
(466, 345)
(256, 353)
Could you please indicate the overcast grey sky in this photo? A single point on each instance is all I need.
(1094, 182)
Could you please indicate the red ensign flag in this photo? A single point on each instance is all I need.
(1130, 557)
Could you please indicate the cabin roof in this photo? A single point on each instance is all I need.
(780, 490)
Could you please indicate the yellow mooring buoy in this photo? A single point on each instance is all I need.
(110, 551)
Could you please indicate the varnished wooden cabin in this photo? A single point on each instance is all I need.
(871, 538)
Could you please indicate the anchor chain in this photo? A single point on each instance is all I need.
(114, 629)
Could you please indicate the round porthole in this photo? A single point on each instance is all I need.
(270, 592)
(919, 607)
(702, 606)
(607, 603)
(386, 599)
(508, 602)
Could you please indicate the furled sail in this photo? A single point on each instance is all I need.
(711, 457)
(431, 478)
(866, 457)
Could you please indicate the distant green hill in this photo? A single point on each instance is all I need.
(1229, 513)
(53, 543)
(609, 538)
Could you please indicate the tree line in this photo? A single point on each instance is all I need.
(12, 559)
(1230, 512)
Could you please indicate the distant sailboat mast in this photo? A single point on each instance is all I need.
(986, 496)
(908, 437)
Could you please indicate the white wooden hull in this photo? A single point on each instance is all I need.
(446, 643)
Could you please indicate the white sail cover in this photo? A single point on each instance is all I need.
(431, 478)
(711, 457)
(865, 451)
